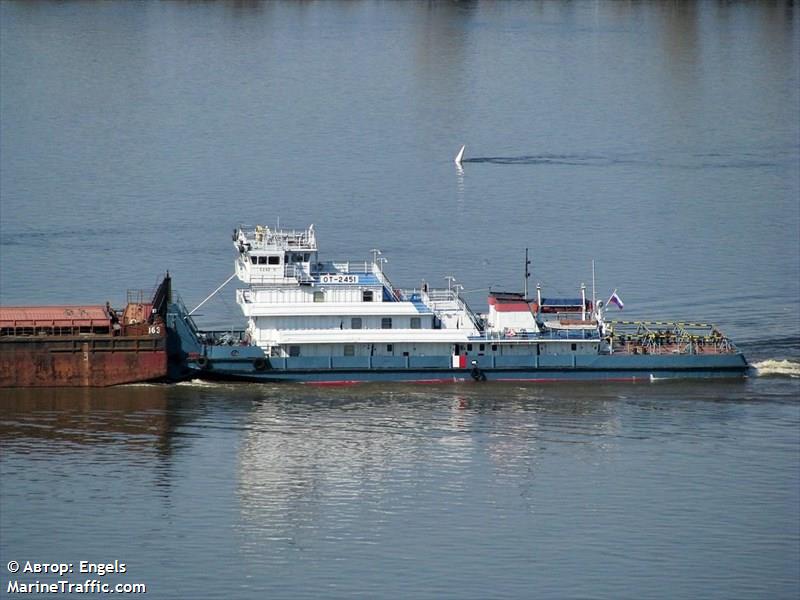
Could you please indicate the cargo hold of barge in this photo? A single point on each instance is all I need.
(85, 346)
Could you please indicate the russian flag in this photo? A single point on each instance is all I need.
(616, 300)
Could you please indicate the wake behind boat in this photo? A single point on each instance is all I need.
(315, 321)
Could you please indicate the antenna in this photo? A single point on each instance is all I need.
(527, 274)
(594, 297)
(583, 301)
(381, 261)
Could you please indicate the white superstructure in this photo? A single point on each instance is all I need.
(297, 305)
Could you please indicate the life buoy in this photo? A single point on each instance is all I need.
(259, 364)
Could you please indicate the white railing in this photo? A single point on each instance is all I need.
(262, 237)
(397, 294)
(352, 267)
(442, 295)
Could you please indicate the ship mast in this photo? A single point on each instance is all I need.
(527, 273)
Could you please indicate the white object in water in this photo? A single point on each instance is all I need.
(459, 156)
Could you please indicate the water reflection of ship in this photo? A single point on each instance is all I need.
(300, 460)
(297, 458)
(524, 421)
(133, 417)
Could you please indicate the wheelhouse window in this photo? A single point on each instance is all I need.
(274, 260)
(349, 350)
(355, 323)
(416, 323)
(319, 296)
(294, 350)
(386, 323)
(367, 296)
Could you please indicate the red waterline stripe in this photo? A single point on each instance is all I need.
(356, 381)
(350, 382)
(572, 380)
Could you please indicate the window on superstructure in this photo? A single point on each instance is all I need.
(574, 347)
(367, 295)
(386, 323)
(349, 350)
(389, 347)
(254, 260)
(294, 350)
(355, 323)
(469, 347)
(274, 260)
(416, 323)
(319, 296)
(262, 260)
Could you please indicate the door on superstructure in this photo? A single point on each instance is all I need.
(459, 358)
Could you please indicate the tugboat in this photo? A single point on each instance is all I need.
(85, 346)
(339, 322)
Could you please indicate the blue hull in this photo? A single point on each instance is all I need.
(603, 368)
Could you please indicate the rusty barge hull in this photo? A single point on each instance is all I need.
(81, 362)
(85, 346)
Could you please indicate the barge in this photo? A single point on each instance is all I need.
(85, 346)
(339, 322)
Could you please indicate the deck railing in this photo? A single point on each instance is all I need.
(523, 335)
(352, 267)
(262, 237)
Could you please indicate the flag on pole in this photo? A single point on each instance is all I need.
(616, 300)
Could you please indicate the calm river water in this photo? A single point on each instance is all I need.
(660, 140)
